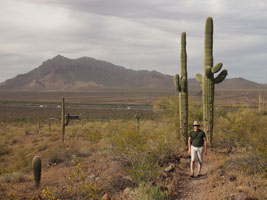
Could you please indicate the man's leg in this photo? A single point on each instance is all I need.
(192, 166)
(200, 159)
(193, 159)
(199, 168)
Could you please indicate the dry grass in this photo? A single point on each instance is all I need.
(95, 144)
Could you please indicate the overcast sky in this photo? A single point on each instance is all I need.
(136, 34)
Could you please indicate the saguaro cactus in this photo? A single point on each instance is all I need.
(63, 124)
(181, 86)
(137, 118)
(260, 100)
(208, 80)
(37, 169)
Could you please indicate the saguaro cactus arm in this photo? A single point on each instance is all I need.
(208, 73)
(177, 82)
(183, 84)
(67, 119)
(199, 78)
(217, 68)
(221, 76)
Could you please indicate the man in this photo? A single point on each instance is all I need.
(196, 140)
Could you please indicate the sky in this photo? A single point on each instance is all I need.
(136, 34)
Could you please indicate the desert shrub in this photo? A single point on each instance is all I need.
(233, 180)
(19, 160)
(4, 149)
(47, 194)
(195, 113)
(93, 131)
(168, 108)
(148, 192)
(79, 186)
(59, 153)
(246, 129)
(143, 151)
(15, 177)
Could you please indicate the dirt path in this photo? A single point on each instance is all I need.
(195, 188)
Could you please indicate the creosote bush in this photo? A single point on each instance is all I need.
(147, 192)
(79, 186)
(244, 129)
(59, 153)
(143, 151)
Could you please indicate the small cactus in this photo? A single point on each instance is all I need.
(37, 169)
(180, 84)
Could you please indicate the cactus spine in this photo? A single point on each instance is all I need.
(181, 86)
(63, 124)
(37, 168)
(208, 80)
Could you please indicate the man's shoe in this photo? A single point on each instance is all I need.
(192, 176)
(199, 174)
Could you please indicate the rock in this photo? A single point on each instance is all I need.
(91, 176)
(126, 191)
(106, 197)
(164, 174)
(119, 183)
(97, 178)
(241, 188)
(169, 168)
(232, 178)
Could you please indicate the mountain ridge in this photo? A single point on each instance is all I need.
(86, 73)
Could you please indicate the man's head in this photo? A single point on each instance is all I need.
(196, 125)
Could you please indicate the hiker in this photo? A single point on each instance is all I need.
(196, 140)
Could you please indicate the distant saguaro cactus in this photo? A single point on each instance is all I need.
(181, 86)
(208, 80)
(137, 118)
(37, 169)
(63, 124)
(260, 101)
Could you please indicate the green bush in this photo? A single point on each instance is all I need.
(146, 192)
(14, 177)
(60, 153)
(246, 129)
(143, 151)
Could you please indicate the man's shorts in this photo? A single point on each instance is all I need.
(196, 152)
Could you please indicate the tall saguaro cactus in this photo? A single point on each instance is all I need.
(208, 80)
(37, 168)
(181, 86)
(63, 123)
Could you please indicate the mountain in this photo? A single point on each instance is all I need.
(61, 73)
(229, 84)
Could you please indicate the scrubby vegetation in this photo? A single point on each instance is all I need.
(113, 157)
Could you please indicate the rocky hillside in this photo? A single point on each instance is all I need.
(61, 73)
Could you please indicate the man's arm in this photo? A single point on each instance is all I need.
(189, 145)
(205, 145)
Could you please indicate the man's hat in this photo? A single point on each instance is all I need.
(196, 123)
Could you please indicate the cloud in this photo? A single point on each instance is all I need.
(135, 34)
